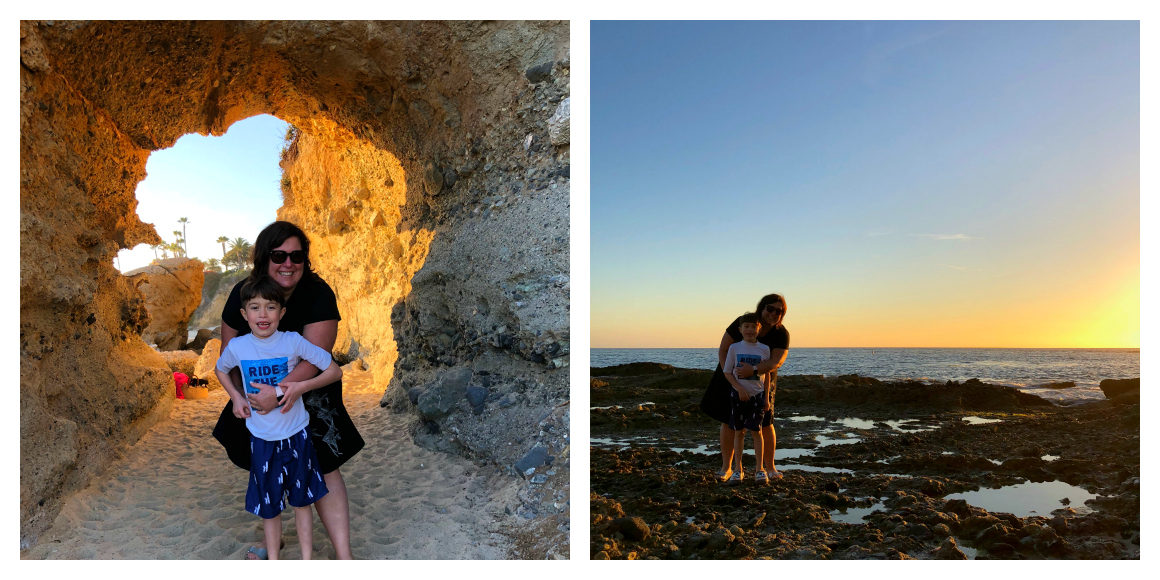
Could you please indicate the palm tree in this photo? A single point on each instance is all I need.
(179, 250)
(184, 221)
(222, 240)
(240, 251)
(213, 265)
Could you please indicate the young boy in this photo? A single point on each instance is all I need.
(283, 461)
(749, 397)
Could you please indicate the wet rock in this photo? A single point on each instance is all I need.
(719, 540)
(957, 506)
(632, 528)
(948, 550)
(1113, 388)
(932, 487)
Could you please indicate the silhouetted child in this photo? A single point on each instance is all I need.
(749, 399)
(282, 457)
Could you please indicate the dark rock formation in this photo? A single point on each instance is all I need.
(1113, 388)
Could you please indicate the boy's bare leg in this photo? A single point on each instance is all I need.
(272, 528)
(727, 438)
(770, 440)
(334, 511)
(304, 524)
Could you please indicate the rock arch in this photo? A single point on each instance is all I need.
(430, 170)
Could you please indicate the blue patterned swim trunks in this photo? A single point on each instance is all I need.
(280, 471)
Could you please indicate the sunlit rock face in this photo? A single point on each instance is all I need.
(425, 170)
(172, 291)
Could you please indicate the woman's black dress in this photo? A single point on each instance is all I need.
(336, 439)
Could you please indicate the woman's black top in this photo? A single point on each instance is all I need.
(335, 437)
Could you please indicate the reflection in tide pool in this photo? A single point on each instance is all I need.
(812, 468)
(824, 441)
(855, 515)
(800, 418)
(1028, 498)
(852, 423)
(972, 420)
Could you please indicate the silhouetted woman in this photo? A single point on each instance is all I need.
(771, 311)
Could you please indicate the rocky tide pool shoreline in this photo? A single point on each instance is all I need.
(872, 470)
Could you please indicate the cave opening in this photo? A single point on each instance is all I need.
(208, 196)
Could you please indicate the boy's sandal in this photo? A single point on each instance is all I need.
(761, 477)
(724, 474)
(775, 474)
(258, 553)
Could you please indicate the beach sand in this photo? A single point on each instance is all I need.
(174, 495)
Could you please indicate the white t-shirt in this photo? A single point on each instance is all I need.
(268, 360)
(751, 354)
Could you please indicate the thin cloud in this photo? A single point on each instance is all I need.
(879, 58)
(945, 236)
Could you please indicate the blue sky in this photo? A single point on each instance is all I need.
(226, 186)
(942, 179)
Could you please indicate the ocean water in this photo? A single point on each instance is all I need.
(1023, 368)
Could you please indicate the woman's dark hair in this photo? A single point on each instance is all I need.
(273, 236)
(773, 299)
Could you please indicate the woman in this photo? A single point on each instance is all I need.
(771, 311)
(282, 252)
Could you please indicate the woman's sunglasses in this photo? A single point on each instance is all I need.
(773, 308)
(279, 256)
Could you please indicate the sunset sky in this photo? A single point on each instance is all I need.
(226, 186)
(957, 184)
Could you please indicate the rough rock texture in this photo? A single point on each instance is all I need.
(172, 291)
(214, 292)
(655, 462)
(207, 362)
(423, 170)
(180, 361)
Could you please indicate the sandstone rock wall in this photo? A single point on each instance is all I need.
(172, 291)
(430, 170)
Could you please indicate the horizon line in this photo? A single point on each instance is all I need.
(876, 347)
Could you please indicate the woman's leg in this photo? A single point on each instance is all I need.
(770, 443)
(334, 511)
(727, 438)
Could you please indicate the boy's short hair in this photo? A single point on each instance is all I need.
(750, 317)
(264, 287)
